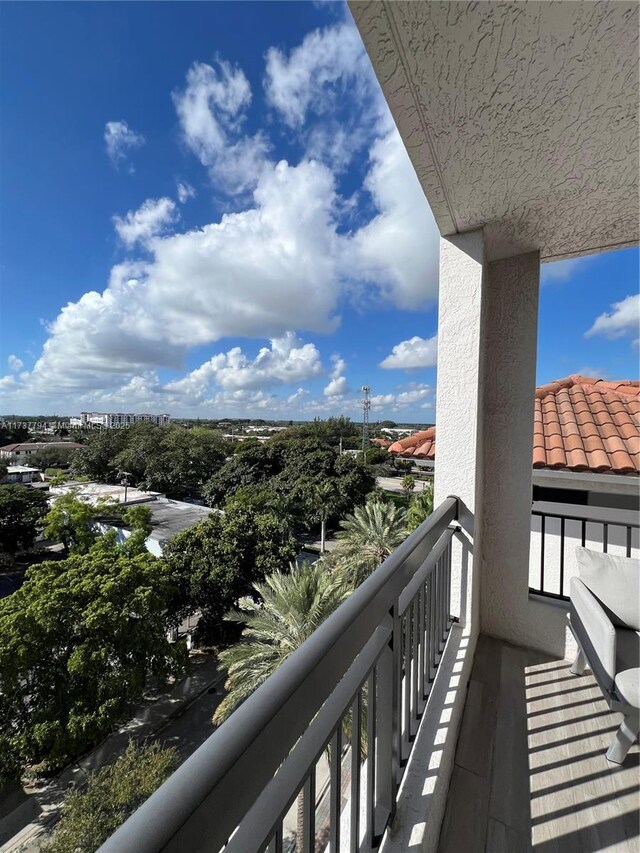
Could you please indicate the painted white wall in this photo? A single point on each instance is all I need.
(421, 807)
(152, 544)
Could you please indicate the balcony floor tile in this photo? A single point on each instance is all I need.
(530, 770)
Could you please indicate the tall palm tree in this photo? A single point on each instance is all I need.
(420, 507)
(323, 503)
(291, 608)
(284, 508)
(367, 538)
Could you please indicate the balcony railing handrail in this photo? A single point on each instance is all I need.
(582, 512)
(201, 804)
(609, 519)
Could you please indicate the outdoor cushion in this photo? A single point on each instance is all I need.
(628, 686)
(615, 581)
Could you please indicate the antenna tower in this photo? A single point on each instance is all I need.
(366, 406)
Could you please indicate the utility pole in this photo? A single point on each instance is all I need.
(366, 406)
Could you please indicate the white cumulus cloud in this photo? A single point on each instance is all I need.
(416, 352)
(394, 401)
(338, 385)
(149, 220)
(119, 139)
(312, 88)
(257, 273)
(15, 364)
(287, 361)
(211, 111)
(623, 319)
(399, 248)
(185, 192)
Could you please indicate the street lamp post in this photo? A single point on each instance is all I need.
(124, 481)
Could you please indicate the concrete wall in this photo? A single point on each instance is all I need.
(459, 472)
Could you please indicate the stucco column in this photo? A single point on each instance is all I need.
(503, 516)
(458, 400)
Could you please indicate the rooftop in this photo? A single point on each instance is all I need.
(39, 445)
(580, 424)
(93, 492)
(170, 517)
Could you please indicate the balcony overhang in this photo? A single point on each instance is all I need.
(519, 117)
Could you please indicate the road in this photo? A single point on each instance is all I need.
(394, 484)
(188, 731)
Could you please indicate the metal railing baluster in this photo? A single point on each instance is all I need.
(385, 793)
(406, 684)
(354, 828)
(371, 759)
(335, 789)
(309, 813)
(414, 667)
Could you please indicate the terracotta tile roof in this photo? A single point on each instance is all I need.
(580, 424)
(381, 442)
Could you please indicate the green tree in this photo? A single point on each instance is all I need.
(54, 457)
(91, 815)
(138, 519)
(420, 506)
(288, 609)
(253, 467)
(367, 538)
(215, 562)
(20, 510)
(376, 456)
(72, 522)
(79, 641)
(188, 459)
(408, 485)
(97, 458)
(322, 508)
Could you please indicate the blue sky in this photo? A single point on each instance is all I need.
(207, 210)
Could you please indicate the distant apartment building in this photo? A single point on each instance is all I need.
(115, 420)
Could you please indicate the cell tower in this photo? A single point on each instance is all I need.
(366, 406)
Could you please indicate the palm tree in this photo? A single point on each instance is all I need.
(291, 608)
(288, 609)
(420, 507)
(284, 508)
(323, 501)
(408, 485)
(367, 538)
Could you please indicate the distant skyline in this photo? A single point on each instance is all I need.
(206, 210)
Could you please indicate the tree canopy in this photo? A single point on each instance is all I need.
(294, 468)
(215, 562)
(366, 539)
(78, 642)
(114, 792)
(20, 510)
(287, 608)
(167, 459)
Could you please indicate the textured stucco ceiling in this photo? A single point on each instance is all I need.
(522, 117)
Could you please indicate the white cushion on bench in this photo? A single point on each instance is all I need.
(615, 581)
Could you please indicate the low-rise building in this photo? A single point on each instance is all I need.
(21, 453)
(21, 474)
